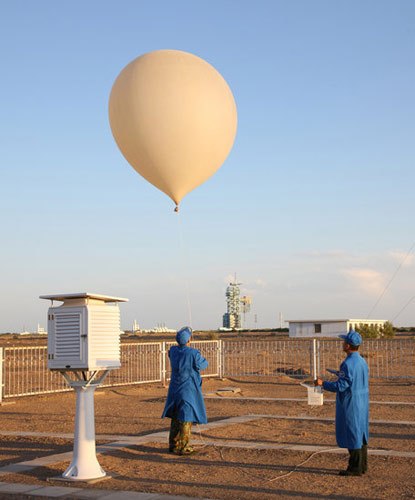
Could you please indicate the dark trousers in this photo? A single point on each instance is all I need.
(358, 459)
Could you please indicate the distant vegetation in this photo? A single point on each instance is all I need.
(387, 331)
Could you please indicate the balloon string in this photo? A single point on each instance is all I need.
(185, 260)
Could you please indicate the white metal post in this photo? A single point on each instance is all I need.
(222, 353)
(163, 365)
(84, 465)
(219, 358)
(318, 357)
(314, 360)
(1, 375)
(317, 389)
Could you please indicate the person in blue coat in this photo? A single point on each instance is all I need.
(352, 405)
(184, 404)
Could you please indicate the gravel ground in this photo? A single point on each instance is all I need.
(217, 471)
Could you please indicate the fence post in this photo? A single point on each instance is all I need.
(310, 353)
(318, 359)
(222, 355)
(219, 359)
(163, 363)
(1, 375)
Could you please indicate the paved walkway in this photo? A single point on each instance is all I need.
(10, 489)
(214, 395)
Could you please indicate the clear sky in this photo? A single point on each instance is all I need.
(313, 209)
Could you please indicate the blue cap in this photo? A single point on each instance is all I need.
(352, 338)
(183, 335)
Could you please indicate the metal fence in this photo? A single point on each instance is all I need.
(23, 370)
(266, 358)
(389, 359)
(140, 364)
(210, 349)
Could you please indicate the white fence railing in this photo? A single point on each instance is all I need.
(394, 358)
(23, 370)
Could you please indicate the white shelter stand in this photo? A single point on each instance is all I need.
(84, 346)
(84, 465)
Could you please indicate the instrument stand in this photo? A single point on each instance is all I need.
(84, 465)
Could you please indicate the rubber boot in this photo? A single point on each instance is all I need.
(355, 464)
(364, 458)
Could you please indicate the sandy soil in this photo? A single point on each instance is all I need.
(220, 471)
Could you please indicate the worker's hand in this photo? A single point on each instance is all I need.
(318, 381)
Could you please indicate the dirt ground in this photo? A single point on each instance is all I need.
(238, 465)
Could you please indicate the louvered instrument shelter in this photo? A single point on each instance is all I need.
(84, 332)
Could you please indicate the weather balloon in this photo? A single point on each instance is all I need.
(174, 118)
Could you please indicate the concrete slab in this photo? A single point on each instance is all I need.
(129, 495)
(15, 468)
(174, 497)
(53, 491)
(48, 460)
(16, 487)
(69, 481)
(228, 391)
(213, 395)
(294, 447)
(85, 494)
(320, 419)
(37, 434)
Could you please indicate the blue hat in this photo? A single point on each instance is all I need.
(183, 335)
(352, 338)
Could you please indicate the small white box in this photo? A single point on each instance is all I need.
(84, 332)
(314, 394)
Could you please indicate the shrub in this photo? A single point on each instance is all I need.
(376, 332)
(387, 331)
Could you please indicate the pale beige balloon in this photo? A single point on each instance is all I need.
(174, 119)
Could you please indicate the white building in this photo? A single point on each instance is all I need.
(41, 330)
(328, 327)
(160, 328)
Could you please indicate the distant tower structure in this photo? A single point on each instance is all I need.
(136, 327)
(235, 305)
(232, 317)
(245, 307)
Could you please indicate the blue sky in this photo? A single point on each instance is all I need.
(313, 209)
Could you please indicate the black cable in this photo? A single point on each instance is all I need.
(390, 281)
(403, 308)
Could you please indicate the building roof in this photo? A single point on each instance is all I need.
(331, 320)
(82, 295)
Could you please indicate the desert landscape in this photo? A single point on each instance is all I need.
(262, 441)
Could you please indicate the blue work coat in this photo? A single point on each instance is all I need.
(352, 402)
(184, 398)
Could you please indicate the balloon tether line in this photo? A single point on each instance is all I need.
(186, 280)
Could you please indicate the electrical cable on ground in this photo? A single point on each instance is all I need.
(300, 464)
(256, 476)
